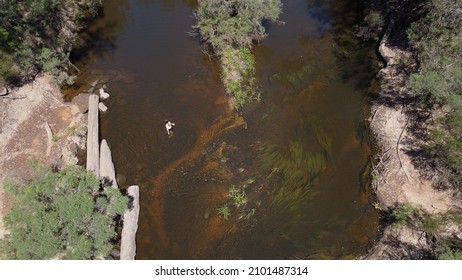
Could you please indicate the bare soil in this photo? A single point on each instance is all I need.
(24, 115)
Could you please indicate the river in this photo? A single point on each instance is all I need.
(293, 163)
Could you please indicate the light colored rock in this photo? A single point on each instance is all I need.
(49, 136)
(74, 109)
(103, 95)
(92, 136)
(128, 242)
(102, 107)
(106, 166)
(3, 91)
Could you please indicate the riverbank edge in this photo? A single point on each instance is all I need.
(396, 178)
(36, 124)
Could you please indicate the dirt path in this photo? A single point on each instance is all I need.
(24, 116)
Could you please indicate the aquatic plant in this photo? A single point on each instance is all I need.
(297, 169)
(314, 127)
(224, 211)
(297, 163)
(238, 195)
(238, 71)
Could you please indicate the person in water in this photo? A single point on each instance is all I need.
(169, 127)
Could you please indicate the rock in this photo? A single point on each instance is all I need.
(128, 242)
(109, 258)
(106, 166)
(3, 91)
(103, 95)
(74, 109)
(241, 170)
(115, 253)
(102, 107)
(50, 138)
(93, 136)
(81, 101)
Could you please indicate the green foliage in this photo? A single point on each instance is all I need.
(405, 214)
(437, 38)
(238, 70)
(224, 211)
(446, 147)
(64, 215)
(38, 34)
(446, 253)
(374, 19)
(8, 70)
(373, 25)
(234, 23)
(229, 27)
(238, 195)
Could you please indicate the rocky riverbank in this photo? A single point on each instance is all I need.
(36, 124)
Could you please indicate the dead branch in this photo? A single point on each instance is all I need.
(373, 116)
(397, 150)
(71, 64)
(12, 97)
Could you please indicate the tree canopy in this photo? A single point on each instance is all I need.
(229, 27)
(235, 23)
(61, 215)
(437, 40)
(37, 35)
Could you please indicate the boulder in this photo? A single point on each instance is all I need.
(102, 107)
(81, 101)
(103, 95)
(106, 166)
(115, 253)
(128, 242)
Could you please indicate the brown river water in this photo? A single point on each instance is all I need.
(294, 162)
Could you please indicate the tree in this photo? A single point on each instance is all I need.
(229, 27)
(235, 23)
(32, 30)
(437, 40)
(62, 215)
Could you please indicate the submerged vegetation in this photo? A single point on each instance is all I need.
(296, 165)
(38, 35)
(229, 28)
(237, 196)
(61, 215)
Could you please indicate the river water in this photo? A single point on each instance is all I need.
(294, 161)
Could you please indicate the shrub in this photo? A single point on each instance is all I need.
(64, 215)
(229, 27)
(404, 214)
(38, 35)
(437, 39)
